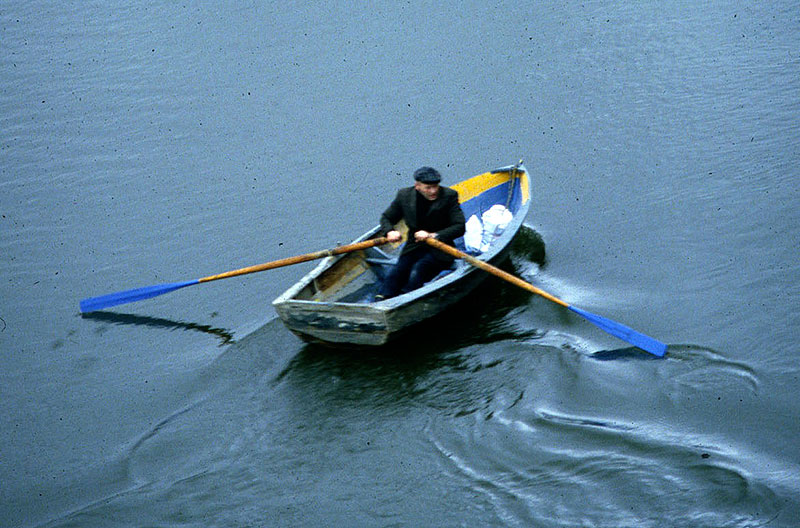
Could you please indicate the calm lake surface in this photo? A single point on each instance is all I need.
(149, 142)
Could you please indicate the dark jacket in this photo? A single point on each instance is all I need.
(445, 218)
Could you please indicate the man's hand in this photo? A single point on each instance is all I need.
(420, 235)
(393, 236)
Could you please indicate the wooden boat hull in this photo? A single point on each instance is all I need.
(371, 324)
(330, 305)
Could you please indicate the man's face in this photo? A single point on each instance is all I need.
(428, 190)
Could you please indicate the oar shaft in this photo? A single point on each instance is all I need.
(137, 294)
(366, 244)
(614, 328)
(494, 270)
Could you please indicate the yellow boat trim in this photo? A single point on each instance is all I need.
(469, 189)
(524, 182)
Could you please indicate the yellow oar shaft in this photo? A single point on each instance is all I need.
(101, 302)
(614, 328)
(297, 259)
(494, 270)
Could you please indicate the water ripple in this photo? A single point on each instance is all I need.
(709, 370)
(568, 445)
(553, 469)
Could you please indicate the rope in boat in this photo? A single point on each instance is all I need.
(511, 182)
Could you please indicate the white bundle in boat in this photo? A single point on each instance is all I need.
(473, 234)
(495, 220)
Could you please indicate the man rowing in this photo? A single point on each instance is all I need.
(429, 210)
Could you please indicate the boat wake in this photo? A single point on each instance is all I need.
(574, 441)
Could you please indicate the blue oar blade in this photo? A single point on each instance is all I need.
(137, 294)
(621, 331)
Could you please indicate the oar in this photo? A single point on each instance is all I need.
(614, 328)
(137, 294)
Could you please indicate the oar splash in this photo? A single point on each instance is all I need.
(92, 304)
(614, 328)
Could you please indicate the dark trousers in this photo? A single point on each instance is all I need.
(412, 270)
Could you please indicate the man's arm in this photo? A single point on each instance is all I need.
(392, 215)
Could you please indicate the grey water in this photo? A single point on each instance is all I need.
(149, 142)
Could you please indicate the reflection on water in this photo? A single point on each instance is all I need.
(627, 353)
(529, 244)
(427, 365)
(225, 336)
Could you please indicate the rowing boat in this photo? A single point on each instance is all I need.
(333, 304)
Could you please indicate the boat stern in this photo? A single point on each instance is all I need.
(335, 323)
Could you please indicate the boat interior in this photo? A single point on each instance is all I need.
(355, 277)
